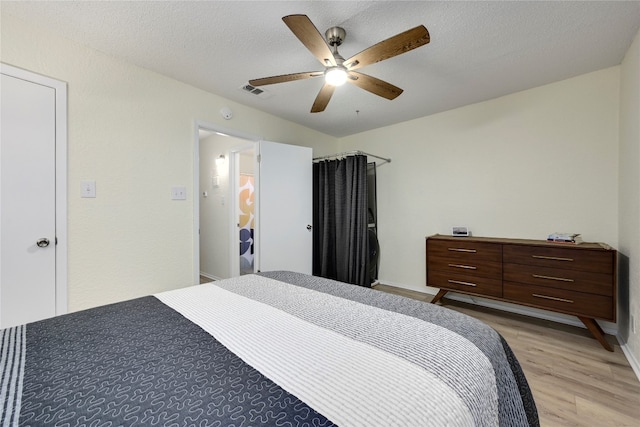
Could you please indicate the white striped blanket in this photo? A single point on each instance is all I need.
(277, 348)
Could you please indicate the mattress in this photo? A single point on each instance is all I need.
(268, 349)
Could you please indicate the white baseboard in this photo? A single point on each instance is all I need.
(210, 276)
(635, 365)
(422, 289)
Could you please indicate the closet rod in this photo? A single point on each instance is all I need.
(350, 153)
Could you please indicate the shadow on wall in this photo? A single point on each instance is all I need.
(623, 297)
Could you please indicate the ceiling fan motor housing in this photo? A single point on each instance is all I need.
(335, 36)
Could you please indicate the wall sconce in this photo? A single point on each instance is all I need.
(220, 160)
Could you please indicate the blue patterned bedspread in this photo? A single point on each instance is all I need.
(162, 361)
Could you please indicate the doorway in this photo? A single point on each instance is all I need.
(243, 190)
(222, 158)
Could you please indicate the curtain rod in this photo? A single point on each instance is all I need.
(350, 153)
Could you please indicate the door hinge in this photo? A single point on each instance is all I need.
(259, 157)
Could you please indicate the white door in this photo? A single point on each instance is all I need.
(285, 208)
(28, 202)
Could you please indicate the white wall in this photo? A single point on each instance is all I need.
(629, 195)
(132, 131)
(214, 208)
(523, 165)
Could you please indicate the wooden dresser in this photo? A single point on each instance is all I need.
(579, 280)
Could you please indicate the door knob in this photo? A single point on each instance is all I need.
(309, 227)
(43, 243)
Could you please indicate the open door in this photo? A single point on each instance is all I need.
(285, 208)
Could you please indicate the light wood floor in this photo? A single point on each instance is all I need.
(575, 382)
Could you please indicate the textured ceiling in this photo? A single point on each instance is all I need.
(479, 50)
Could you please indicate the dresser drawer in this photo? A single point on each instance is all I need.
(564, 258)
(466, 251)
(491, 269)
(573, 280)
(466, 283)
(561, 300)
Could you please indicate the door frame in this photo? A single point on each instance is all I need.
(61, 247)
(211, 127)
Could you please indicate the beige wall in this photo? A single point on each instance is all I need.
(132, 131)
(629, 195)
(523, 165)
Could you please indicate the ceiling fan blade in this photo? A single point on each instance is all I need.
(374, 85)
(323, 98)
(284, 78)
(309, 35)
(396, 45)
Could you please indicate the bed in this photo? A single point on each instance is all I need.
(268, 349)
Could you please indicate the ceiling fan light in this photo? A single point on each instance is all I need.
(335, 76)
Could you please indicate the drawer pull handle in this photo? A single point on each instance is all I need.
(468, 267)
(553, 258)
(561, 279)
(463, 250)
(458, 282)
(553, 298)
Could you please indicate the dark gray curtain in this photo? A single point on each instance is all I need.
(340, 237)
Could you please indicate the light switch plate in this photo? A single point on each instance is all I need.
(178, 193)
(88, 189)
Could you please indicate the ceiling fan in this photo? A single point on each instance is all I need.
(339, 70)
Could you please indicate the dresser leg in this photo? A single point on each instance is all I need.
(596, 331)
(439, 296)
